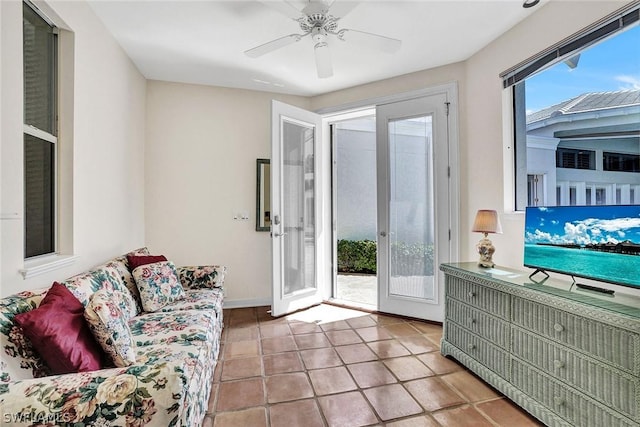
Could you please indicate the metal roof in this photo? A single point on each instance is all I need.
(593, 101)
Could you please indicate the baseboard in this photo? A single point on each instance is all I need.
(259, 302)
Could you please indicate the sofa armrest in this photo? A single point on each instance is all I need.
(144, 394)
(202, 277)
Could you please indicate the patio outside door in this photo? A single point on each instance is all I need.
(413, 205)
(295, 133)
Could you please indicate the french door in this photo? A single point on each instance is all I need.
(295, 136)
(413, 205)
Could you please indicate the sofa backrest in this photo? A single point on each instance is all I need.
(19, 360)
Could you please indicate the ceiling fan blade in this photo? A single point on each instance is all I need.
(283, 7)
(323, 60)
(273, 45)
(371, 40)
(340, 8)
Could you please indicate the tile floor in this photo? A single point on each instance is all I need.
(331, 366)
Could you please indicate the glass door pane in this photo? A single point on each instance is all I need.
(411, 208)
(298, 218)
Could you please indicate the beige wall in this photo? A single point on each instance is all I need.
(202, 146)
(107, 161)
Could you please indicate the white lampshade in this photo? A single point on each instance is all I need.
(487, 221)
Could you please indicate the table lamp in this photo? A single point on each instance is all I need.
(486, 222)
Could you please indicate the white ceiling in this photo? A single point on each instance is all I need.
(203, 42)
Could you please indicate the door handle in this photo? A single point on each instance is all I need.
(383, 233)
(278, 234)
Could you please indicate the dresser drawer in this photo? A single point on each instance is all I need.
(607, 343)
(481, 350)
(562, 400)
(479, 296)
(613, 387)
(479, 322)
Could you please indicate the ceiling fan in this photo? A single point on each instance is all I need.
(319, 19)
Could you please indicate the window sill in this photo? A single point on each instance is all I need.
(46, 264)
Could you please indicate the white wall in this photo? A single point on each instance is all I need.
(108, 146)
(202, 146)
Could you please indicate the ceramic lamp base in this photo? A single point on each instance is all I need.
(486, 250)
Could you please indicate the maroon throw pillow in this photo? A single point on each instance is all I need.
(138, 260)
(59, 333)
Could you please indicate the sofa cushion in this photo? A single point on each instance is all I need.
(173, 327)
(138, 260)
(58, 331)
(198, 299)
(110, 327)
(158, 284)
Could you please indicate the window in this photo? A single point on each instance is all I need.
(621, 162)
(575, 159)
(40, 132)
(575, 115)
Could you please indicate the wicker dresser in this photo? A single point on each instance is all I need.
(569, 357)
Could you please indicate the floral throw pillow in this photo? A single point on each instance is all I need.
(158, 284)
(110, 328)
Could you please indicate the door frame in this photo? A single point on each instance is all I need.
(337, 113)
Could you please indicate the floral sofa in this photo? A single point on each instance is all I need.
(173, 354)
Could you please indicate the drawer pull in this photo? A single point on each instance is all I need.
(471, 294)
(559, 401)
(471, 346)
(558, 327)
(474, 321)
(558, 364)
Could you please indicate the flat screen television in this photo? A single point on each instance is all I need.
(592, 242)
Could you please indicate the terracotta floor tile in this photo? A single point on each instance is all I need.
(418, 344)
(278, 344)
(320, 358)
(392, 401)
(300, 413)
(331, 380)
(374, 333)
(347, 410)
(242, 334)
(211, 405)
(242, 323)
(285, 387)
(271, 330)
(464, 416)
(470, 386)
(361, 322)
(382, 319)
(343, 337)
(426, 327)
(308, 341)
(217, 373)
(505, 413)
(433, 393)
(371, 374)
(241, 349)
(422, 421)
(240, 394)
(356, 353)
(254, 417)
(304, 328)
(244, 367)
(282, 363)
(388, 348)
(408, 368)
(334, 326)
(401, 330)
(440, 364)
(435, 338)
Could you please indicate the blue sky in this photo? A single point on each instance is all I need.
(611, 65)
(583, 225)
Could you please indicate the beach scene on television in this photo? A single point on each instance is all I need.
(598, 242)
